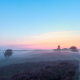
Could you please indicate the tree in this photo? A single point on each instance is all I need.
(59, 48)
(74, 49)
(8, 53)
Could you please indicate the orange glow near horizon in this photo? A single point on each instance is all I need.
(51, 40)
(47, 46)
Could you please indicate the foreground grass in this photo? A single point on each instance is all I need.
(43, 70)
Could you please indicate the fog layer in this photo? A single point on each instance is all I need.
(37, 55)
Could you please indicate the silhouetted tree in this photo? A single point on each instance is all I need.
(74, 49)
(59, 48)
(8, 53)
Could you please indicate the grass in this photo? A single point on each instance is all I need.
(43, 70)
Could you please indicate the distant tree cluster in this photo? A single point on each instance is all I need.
(58, 48)
(72, 48)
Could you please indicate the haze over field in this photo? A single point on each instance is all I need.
(38, 55)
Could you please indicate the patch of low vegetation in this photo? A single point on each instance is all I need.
(43, 70)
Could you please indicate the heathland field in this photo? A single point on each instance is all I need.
(33, 64)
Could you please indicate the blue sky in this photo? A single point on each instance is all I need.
(23, 18)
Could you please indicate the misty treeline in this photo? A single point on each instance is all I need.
(9, 52)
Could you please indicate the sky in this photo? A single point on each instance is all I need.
(39, 24)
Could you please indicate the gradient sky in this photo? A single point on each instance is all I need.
(39, 24)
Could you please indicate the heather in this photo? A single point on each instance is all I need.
(43, 70)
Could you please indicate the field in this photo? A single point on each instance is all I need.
(43, 70)
(40, 65)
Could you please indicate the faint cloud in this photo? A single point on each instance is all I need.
(50, 33)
